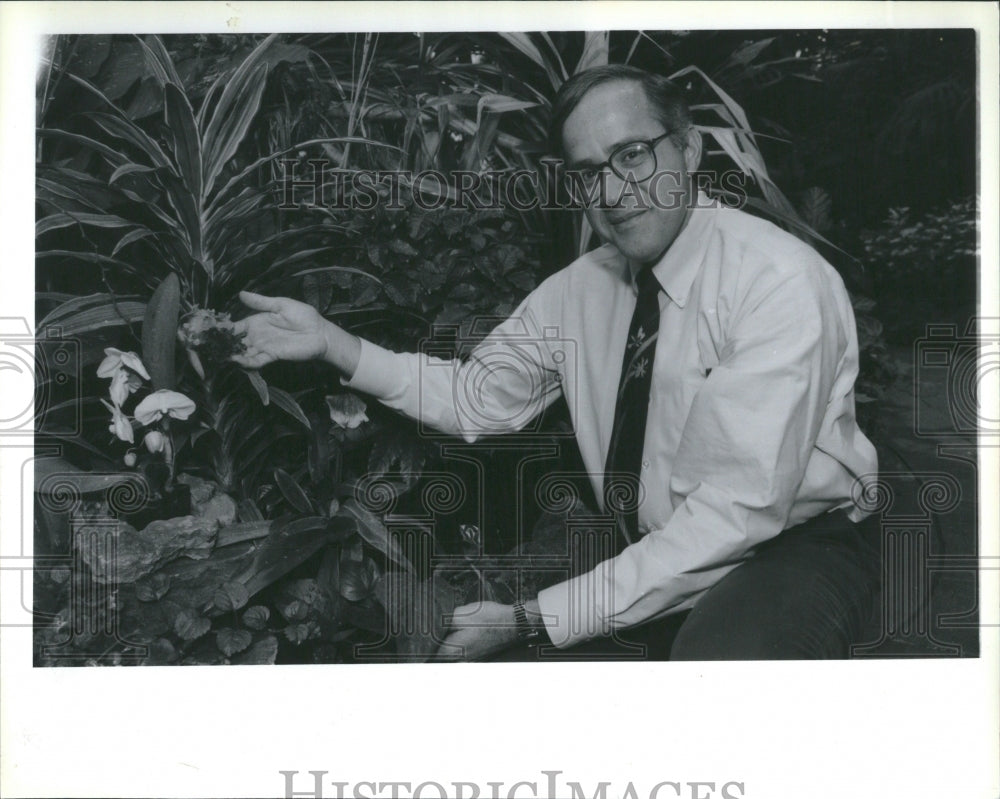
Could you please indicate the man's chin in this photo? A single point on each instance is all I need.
(639, 253)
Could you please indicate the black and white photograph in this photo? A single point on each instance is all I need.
(451, 368)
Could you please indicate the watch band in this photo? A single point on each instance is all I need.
(525, 631)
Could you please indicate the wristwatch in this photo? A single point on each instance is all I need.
(525, 631)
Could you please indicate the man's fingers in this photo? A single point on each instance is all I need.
(259, 302)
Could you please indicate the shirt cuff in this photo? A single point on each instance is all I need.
(378, 372)
(569, 610)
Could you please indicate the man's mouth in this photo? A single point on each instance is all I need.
(621, 217)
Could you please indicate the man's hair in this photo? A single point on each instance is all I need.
(666, 98)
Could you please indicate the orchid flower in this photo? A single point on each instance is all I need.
(115, 361)
(123, 383)
(120, 425)
(163, 403)
(155, 441)
(347, 410)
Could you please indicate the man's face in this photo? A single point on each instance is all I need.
(607, 117)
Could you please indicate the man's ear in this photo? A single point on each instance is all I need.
(692, 152)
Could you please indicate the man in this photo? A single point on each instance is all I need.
(714, 370)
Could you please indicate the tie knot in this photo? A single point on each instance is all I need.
(646, 281)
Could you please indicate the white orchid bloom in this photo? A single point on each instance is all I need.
(123, 383)
(163, 403)
(115, 360)
(120, 425)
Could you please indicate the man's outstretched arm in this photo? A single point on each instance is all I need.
(289, 330)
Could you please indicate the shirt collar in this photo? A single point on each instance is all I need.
(677, 269)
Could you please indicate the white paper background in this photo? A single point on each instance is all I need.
(859, 729)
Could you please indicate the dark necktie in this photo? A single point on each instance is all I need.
(624, 462)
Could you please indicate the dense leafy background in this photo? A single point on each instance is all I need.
(162, 156)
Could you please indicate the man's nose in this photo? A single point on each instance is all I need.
(613, 192)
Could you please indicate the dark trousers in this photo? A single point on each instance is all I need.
(806, 594)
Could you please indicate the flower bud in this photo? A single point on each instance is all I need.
(154, 441)
(130, 458)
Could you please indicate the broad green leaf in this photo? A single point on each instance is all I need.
(296, 610)
(357, 580)
(152, 588)
(263, 652)
(256, 617)
(247, 530)
(159, 333)
(288, 545)
(231, 595)
(292, 492)
(231, 641)
(375, 532)
(190, 626)
(300, 633)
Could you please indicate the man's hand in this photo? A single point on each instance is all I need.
(479, 630)
(288, 330)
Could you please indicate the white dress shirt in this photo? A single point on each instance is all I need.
(751, 426)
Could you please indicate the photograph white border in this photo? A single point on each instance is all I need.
(914, 728)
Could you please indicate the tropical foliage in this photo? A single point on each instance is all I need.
(264, 524)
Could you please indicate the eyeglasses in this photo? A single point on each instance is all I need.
(634, 162)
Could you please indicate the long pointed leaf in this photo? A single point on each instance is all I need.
(130, 238)
(160, 61)
(523, 42)
(251, 168)
(128, 131)
(292, 492)
(130, 169)
(109, 314)
(234, 111)
(113, 156)
(187, 144)
(57, 221)
(595, 51)
(287, 403)
(375, 533)
(96, 258)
